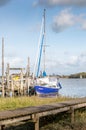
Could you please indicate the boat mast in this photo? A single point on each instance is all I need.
(44, 39)
(42, 48)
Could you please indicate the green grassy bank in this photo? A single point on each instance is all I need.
(19, 102)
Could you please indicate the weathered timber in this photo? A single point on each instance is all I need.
(34, 113)
(72, 114)
(15, 86)
(2, 67)
(17, 68)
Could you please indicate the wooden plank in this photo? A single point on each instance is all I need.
(15, 120)
(17, 68)
(53, 112)
(79, 106)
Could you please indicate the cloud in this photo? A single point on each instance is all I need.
(35, 3)
(66, 19)
(4, 2)
(73, 63)
(77, 61)
(83, 25)
(51, 3)
(14, 61)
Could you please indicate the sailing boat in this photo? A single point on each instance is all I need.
(44, 85)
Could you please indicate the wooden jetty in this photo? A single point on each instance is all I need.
(17, 83)
(34, 113)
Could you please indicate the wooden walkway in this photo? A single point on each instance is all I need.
(34, 113)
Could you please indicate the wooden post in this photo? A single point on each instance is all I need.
(28, 75)
(28, 68)
(37, 124)
(21, 88)
(2, 127)
(28, 84)
(72, 114)
(2, 67)
(12, 86)
(36, 120)
(7, 72)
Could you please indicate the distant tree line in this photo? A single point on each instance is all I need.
(78, 75)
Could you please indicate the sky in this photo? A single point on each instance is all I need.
(20, 24)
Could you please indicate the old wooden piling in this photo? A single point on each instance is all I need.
(72, 114)
(7, 75)
(3, 67)
(16, 82)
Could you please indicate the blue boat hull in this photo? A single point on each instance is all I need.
(40, 90)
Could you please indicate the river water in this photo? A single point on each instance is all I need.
(73, 87)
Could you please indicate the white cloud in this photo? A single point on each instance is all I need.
(14, 61)
(62, 2)
(67, 65)
(77, 61)
(66, 19)
(35, 3)
(83, 25)
(73, 63)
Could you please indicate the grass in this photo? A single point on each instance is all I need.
(19, 102)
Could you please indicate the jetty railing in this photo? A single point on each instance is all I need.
(34, 113)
